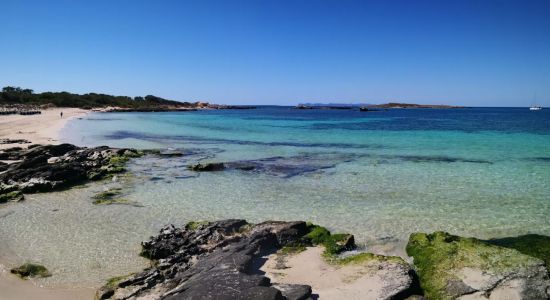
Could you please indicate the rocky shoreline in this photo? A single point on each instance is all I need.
(224, 259)
(44, 168)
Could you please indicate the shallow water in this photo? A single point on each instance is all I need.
(481, 172)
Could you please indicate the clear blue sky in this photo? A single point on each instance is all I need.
(479, 53)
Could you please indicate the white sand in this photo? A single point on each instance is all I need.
(39, 129)
(354, 281)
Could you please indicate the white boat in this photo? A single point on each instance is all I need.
(535, 106)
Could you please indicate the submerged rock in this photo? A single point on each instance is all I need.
(14, 196)
(453, 267)
(214, 260)
(31, 270)
(43, 168)
(208, 167)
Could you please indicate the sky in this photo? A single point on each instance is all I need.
(474, 53)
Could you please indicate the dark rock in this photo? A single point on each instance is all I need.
(215, 260)
(294, 291)
(14, 141)
(209, 167)
(43, 168)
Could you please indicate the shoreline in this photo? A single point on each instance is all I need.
(13, 287)
(42, 128)
(298, 268)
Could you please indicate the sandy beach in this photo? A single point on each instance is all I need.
(354, 281)
(38, 129)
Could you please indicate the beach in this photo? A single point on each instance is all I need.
(38, 129)
(372, 175)
(12, 287)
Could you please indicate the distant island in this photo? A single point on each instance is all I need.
(412, 105)
(16, 96)
(372, 107)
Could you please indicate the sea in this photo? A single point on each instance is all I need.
(381, 175)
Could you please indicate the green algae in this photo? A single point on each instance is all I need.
(111, 201)
(110, 196)
(114, 281)
(333, 243)
(194, 225)
(290, 250)
(438, 258)
(31, 270)
(530, 244)
(11, 196)
(366, 257)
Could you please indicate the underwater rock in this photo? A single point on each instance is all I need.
(216, 260)
(14, 196)
(453, 267)
(208, 167)
(31, 270)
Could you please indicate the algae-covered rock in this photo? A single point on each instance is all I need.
(535, 245)
(31, 270)
(451, 267)
(333, 243)
(14, 196)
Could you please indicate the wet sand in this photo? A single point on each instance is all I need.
(12, 287)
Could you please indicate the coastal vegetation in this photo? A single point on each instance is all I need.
(17, 95)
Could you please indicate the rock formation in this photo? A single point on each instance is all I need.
(221, 260)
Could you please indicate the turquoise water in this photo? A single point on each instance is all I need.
(481, 172)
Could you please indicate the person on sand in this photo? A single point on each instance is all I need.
(61, 114)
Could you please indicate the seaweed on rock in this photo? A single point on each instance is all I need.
(450, 266)
(31, 270)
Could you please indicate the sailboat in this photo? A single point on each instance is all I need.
(535, 107)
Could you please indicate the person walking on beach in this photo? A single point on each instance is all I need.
(61, 114)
